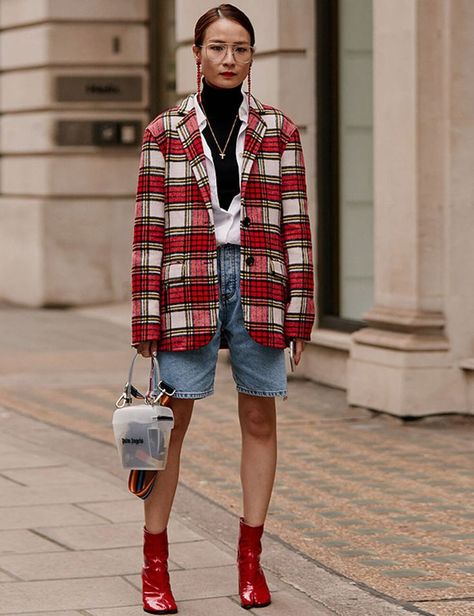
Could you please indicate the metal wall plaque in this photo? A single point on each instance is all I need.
(117, 88)
(98, 132)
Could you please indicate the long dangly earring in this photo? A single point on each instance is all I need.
(198, 79)
(249, 81)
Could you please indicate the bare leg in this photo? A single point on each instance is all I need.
(158, 504)
(259, 454)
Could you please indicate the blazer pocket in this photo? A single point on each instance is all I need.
(280, 279)
(172, 275)
(278, 268)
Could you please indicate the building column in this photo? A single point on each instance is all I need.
(73, 103)
(406, 361)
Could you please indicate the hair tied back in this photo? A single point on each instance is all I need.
(223, 11)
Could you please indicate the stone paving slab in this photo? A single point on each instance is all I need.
(201, 607)
(285, 603)
(125, 510)
(16, 459)
(51, 476)
(95, 537)
(40, 515)
(6, 483)
(25, 542)
(5, 447)
(199, 554)
(38, 495)
(47, 596)
(51, 613)
(106, 536)
(63, 565)
(204, 583)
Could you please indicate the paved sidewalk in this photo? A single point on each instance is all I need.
(371, 516)
(70, 537)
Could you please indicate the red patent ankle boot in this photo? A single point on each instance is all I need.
(157, 595)
(253, 587)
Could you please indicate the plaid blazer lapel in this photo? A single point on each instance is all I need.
(254, 134)
(190, 137)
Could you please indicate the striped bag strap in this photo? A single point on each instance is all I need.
(141, 483)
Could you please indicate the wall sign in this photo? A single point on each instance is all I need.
(117, 88)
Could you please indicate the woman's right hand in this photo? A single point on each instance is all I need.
(147, 348)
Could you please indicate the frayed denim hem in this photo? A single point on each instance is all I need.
(263, 394)
(187, 395)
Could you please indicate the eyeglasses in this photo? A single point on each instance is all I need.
(216, 52)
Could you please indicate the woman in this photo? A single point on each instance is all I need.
(221, 258)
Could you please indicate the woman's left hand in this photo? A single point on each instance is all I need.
(299, 348)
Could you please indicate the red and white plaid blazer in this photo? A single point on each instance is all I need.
(175, 292)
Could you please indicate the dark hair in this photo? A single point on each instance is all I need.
(223, 10)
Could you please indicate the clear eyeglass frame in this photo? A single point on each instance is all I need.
(215, 55)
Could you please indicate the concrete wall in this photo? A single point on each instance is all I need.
(66, 211)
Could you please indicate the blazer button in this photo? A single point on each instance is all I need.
(250, 260)
(246, 222)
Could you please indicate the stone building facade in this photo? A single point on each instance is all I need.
(383, 94)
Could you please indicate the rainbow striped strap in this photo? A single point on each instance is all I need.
(141, 483)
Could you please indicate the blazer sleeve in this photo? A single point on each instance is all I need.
(300, 311)
(147, 249)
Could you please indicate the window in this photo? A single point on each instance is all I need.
(344, 150)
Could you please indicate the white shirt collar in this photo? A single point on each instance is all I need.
(243, 111)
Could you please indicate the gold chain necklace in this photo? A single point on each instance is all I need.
(222, 151)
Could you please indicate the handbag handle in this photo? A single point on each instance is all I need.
(158, 391)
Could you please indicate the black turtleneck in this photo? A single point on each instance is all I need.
(221, 106)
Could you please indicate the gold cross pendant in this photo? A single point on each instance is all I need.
(222, 155)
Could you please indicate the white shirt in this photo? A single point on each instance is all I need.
(226, 222)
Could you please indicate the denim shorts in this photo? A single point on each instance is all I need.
(257, 370)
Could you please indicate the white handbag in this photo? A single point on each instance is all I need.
(142, 432)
